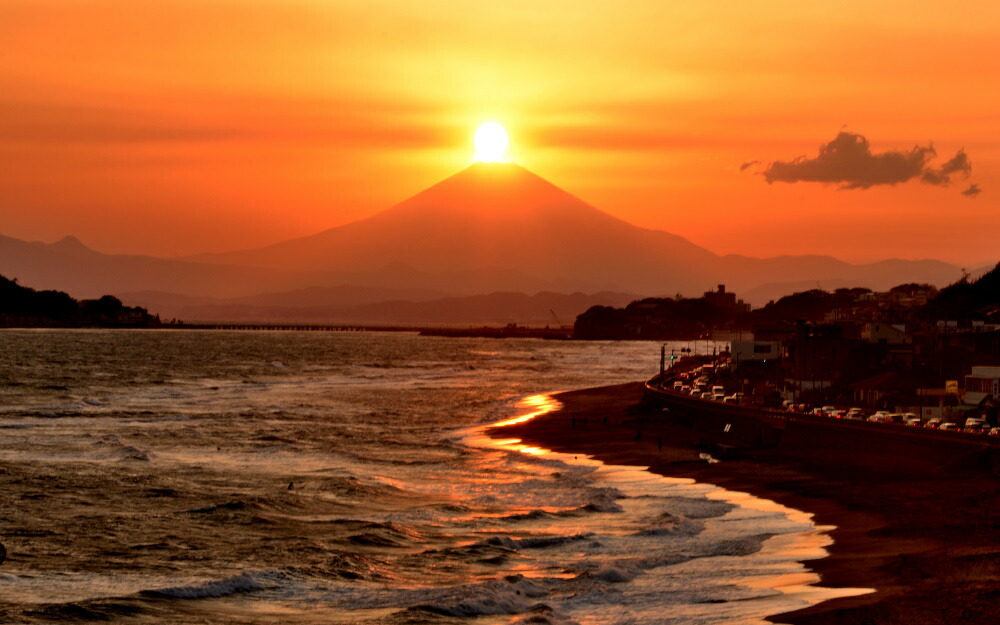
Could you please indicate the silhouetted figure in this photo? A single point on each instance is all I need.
(291, 485)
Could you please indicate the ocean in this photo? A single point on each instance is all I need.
(339, 477)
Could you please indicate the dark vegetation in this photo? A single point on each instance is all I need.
(976, 300)
(966, 301)
(22, 307)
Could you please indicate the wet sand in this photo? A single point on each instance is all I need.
(927, 538)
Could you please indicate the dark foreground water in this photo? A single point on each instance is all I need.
(278, 477)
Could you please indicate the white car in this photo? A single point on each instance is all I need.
(949, 427)
(976, 426)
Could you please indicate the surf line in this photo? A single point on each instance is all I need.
(797, 546)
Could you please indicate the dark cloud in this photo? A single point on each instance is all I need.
(748, 165)
(849, 161)
(972, 191)
(959, 165)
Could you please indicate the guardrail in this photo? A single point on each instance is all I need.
(781, 417)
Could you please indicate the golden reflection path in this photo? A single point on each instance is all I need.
(797, 546)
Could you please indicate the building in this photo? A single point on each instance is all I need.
(726, 300)
(746, 351)
(886, 334)
(983, 382)
(882, 390)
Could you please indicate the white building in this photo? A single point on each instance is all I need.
(743, 351)
(981, 383)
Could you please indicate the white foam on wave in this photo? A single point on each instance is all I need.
(718, 538)
(245, 582)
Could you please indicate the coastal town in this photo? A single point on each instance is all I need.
(913, 355)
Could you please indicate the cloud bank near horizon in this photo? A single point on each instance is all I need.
(848, 161)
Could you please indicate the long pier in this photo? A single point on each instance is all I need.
(292, 327)
(510, 331)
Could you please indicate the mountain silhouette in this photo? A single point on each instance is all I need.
(490, 228)
(493, 216)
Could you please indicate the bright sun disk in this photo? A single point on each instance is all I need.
(491, 143)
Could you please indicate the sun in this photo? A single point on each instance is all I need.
(491, 143)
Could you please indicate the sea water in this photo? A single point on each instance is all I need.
(315, 477)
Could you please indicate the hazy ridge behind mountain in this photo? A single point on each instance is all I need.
(68, 265)
(489, 228)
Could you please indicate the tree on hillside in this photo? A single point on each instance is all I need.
(968, 300)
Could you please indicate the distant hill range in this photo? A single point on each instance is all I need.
(492, 228)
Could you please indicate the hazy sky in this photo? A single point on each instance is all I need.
(180, 126)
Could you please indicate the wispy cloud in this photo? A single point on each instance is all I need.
(957, 166)
(972, 191)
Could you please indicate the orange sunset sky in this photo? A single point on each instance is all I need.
(173, 127)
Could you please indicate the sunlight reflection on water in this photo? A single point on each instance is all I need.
(797, 546)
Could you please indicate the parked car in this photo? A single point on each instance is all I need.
(916, 422)
(976, 426)
(949, 427)
(933, 423)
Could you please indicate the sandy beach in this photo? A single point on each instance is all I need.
(926, 538)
